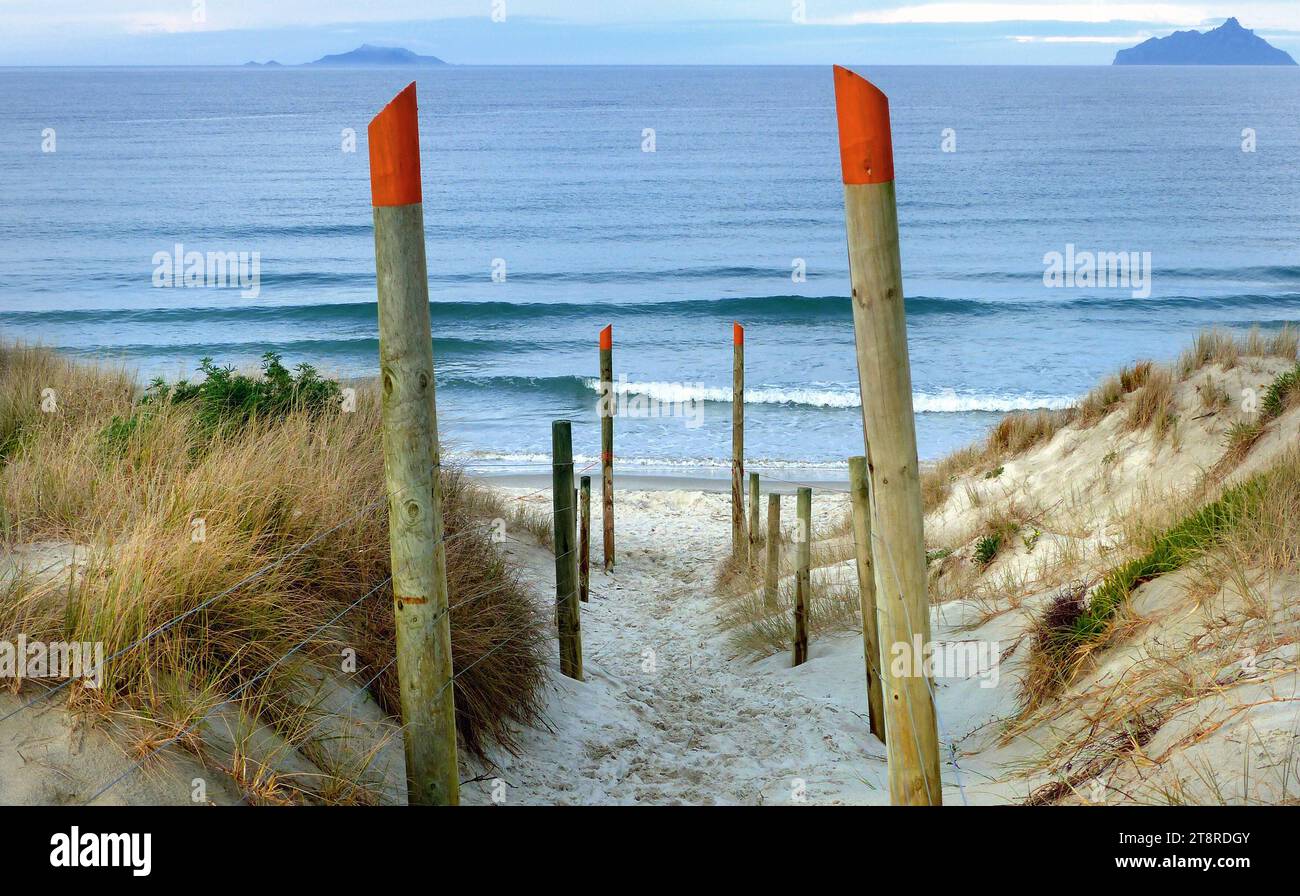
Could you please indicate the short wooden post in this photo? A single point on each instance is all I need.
(773, 550)
(867, 591)
(411, 458)
(753, 518)
(608, 399)
(584, 538)
(738, 536)
(880, 330)
(568, 618)
(803, 577)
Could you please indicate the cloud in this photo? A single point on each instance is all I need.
(1126, 39)
(1274, 14)
(976, 13)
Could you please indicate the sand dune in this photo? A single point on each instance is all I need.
(1190, 695)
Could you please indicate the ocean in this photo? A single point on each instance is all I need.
(548, 216)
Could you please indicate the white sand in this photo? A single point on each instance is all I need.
(669, 715)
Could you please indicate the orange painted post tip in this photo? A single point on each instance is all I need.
(866, 143)
(737, 334)
(607, 337)
(394, 138)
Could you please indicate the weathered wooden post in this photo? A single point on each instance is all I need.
(738, 537)
(753, 518)
(584, 552)
(607, 440)
(803, 577)
(411, 458)
(568, 618)
(885, 380)
(861, 499)
(773, 550)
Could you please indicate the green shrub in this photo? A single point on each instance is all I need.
(1279, 393)
(1072, 624)
(987, 548)
(226, 398)
(1170, 551)
(117, 434)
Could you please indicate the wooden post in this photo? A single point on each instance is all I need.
(885, 380)
(411, 458)
(568, 618)
(773, 550)
(803, 577)
(607, 440)
(738, 537)
(753, 518)
(867, 591)
(584, 540)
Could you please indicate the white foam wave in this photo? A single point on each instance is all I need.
(948, 401)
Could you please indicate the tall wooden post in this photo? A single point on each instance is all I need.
(584, 540)
(880, 331)
(738, 537)
(568, 618)
(753, 518)
(773, 550)
(607, 440)
(803, 577)
(411, 458)
(861, 499)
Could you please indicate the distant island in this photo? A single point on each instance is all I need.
(364, 56)
(1229, 44)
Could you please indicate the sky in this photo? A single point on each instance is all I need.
(632, 32)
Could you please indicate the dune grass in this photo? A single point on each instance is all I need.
(1146, 388)
(1226, 349)
(190, 489)
(1152, 407)
(1282, 395)
(1013, 435)
(755, 629)
(1075, 623)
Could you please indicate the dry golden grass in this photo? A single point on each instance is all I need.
(134, 505)
(737, 574)
(1214, 397)
(1269, 537)
(754, 629)
(936, 481)
(31, 378)
(1107, 396)
(1226, 349)
(1152, 407)
(1013, 435)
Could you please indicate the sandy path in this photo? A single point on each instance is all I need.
(667, 714)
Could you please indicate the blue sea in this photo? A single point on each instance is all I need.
(541, 177)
